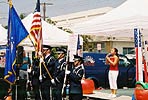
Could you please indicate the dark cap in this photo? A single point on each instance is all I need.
(76, 57)
(61, 50)
(47, 47)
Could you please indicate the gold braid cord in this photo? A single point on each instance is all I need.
(47, 70)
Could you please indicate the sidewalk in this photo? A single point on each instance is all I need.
(103, 94)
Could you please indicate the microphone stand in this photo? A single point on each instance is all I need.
(17, 80)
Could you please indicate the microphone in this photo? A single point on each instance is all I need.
(109, 54)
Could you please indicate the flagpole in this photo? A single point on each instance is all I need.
(65, 77)
(10, 5)
(15, 36)
(8, 44)
(36, 38)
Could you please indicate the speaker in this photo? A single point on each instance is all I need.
(19, 90)
(19, 55)
(2, 70)
(4, 87)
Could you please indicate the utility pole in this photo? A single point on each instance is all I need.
(44, 8)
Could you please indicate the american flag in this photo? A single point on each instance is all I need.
(138, 50)
(145, 55)
(146, 45)
(36, 29)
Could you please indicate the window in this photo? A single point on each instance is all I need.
(123, 61)
(128, 50)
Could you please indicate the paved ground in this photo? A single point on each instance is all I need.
(123, 94)
(103, 94)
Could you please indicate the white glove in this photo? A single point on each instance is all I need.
(82, 81)
(29, 70)
(40, 53)
(53, 82)
(67, 72)
(28, 81)
(41, 60)
(40, 78)
(44, 76)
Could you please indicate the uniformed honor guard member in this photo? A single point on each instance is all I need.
(46, 79)
(75, 76)
(35, 78)
(59, 74)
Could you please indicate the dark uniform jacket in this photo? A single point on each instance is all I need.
(60, 66)
(34, 76)
(75, 80)
(50, 63)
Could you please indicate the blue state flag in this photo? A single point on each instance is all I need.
(78, 43)
(79, 49)
(16, 34)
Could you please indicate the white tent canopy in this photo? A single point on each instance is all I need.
(51, 34)
(119, 22)
(3, 35)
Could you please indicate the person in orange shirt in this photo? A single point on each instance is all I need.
(113, 59)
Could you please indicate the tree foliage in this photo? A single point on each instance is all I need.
(86, 42)
(51, 22)
(22, 16)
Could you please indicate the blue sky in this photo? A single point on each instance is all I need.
(59, 7)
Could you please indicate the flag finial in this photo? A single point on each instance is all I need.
(10, 3)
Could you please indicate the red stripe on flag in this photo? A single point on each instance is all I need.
(35, 21)
(36, 31)
(137, 69)
(34, 27)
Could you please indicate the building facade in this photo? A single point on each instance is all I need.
(124, 45)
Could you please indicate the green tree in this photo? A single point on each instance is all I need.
(6, 27)
(51, 22)
(22, 16)
(87, 45)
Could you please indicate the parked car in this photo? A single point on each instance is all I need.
(132, 57)
(97, 70)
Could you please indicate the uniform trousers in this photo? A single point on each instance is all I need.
(75, 97)
(45, 90)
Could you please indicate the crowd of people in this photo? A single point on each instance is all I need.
(53, 78)
(50, 77)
